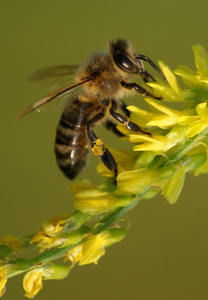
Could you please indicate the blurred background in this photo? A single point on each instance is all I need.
(164, 255)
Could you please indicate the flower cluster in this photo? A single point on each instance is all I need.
(177, 144)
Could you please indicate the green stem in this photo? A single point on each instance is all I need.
(57, 253)
(112, 217)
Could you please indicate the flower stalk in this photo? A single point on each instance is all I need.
(157, 164)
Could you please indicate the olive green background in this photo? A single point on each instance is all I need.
(164, 255)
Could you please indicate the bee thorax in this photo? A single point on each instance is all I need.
(105, 88)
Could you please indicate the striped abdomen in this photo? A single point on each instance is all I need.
(72, 145)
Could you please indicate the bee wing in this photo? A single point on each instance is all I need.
(53, 77)
(42, 101)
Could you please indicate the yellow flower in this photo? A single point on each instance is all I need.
(91, 200)
(165, 117)
(75, 254)
(198, 78)
(169, 90)
(158, 143)
(45, 242)
(61, 231)
(200, 124)
(171, 187)
(139, 181)
(190, 77)
(33, 280)
(201, 61)
(55, 225)
(12, 242)
(184, 124)
(3, 280)
(49, 235)
(94, 247)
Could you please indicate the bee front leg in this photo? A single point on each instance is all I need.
(99, 149)
(139, 89)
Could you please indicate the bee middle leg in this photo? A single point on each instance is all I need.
(125, 109)
(112, 126)
(99, 149)
(129, 124)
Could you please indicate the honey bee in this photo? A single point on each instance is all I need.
(100, 85)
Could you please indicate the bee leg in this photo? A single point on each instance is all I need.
(99, 149)
(125, 109)
(112, 126)
(139, 89)
(145, 75)
(129, 124)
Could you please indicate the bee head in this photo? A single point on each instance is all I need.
(125, 57)
(127, 60)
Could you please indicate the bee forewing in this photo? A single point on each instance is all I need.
(56, 104)
(63, 92)
(53, 77)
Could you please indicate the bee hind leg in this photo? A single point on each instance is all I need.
(105, 155)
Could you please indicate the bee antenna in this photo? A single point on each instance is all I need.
(145, 58)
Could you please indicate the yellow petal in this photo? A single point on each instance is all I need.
(163, 121)
(156, 144)
(94, 201)
(195, 128)
(12, 242)
(200, 57)
(171, 187)
(75, 254)
(190, 78)
(186, 120)
(93, 249)
(171, 78)
(164, 109)
(3, 280)
(137, 181)
(32, 282)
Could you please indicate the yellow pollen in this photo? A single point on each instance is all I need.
(97, 148)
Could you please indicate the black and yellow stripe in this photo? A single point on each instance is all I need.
(72, 143)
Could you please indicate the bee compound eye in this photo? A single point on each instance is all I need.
(124, 63)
